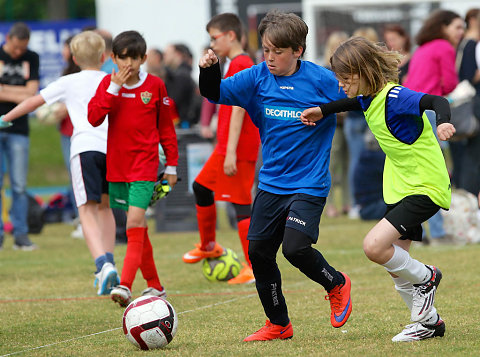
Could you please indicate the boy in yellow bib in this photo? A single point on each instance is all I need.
(415, 179)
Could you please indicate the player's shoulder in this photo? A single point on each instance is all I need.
(398, 91)
(316, 72)
(243, 59)
(153, 80)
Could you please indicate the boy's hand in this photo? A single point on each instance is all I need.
(230, 164)
(4, 124)
(206, 132)
(311, 115)
(121, 77)
(172, 179)
(445, 131)
(208, 59)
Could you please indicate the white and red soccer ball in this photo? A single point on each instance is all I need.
(150, 322)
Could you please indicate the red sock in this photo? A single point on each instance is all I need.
(133, 256)
(242, 233)
(207, 222)
(148, 268)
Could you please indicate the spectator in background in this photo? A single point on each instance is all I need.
(180, 85)
(155, 63)
(108, 65)
(368, 180)
(432, 71)
(397, 39)
(19, 80)
(469, 158)
(339, 152)
(354, 128)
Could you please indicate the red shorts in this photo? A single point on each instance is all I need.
(236, 189)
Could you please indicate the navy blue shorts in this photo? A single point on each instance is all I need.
(271, 213)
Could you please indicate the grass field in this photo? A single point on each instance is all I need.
(48, 306)
(46, 167)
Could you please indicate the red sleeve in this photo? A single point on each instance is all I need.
(206, 114)
(100, 104)
(166, 129)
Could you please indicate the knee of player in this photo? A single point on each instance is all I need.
(371, 249)
(294, 254)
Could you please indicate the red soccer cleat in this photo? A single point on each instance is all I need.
(197, 254)
(340, 302)
(271, 332)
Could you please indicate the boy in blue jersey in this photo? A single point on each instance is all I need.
(294, 178)
(415, 178)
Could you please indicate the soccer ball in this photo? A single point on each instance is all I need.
(222, 268)
(49, 114)
(150, 322)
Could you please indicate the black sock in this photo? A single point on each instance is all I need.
(297, 248)
(273, 301)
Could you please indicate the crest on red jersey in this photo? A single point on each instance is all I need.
(146, 96)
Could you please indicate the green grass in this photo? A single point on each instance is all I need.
(46, 167)
(48, 306)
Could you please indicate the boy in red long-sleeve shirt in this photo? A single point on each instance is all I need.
(139, 117)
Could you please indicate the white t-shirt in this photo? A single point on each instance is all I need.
(76, 90)
(477, 54)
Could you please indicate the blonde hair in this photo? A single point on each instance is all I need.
(367, 32)
(88, 47)
(373, 63)
(333, 41)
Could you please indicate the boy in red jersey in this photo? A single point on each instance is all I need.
(229, 173)
(139, 117)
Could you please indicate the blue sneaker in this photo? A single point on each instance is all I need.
(106, 279)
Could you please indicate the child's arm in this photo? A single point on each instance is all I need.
(25, 107)
(441, 107)
(311, 115)
(17, 94)
(236, 123)
(210, 76)
(168, 137)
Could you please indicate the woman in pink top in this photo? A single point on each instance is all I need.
(432, 71)
(432, 67)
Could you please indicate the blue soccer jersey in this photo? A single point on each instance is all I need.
(402, 113)
(295, 156)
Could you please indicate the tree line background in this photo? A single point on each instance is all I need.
(34, 10)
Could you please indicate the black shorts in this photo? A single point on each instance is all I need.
(89, 176)
(271, 213)
(408, 214)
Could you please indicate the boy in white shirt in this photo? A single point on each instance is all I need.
(87, 152)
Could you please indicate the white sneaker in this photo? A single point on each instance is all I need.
(78, 232)
(424, 295)
(122, 295)
(354, 212)
(106, 278)
(155, 292)
(418, 331)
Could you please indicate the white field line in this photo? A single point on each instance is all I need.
(118, 328)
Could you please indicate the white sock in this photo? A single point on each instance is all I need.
(432, 317)
(405, 289)
(403, 265)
